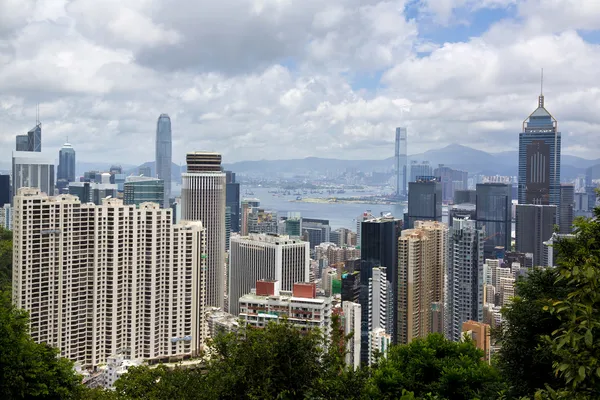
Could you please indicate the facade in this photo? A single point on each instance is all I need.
(494, 215)
(451, 179)
(379, 302)
(232, 200)
(535, 225)
(401, 161)
(32, 169)
(261, 221)
(465, 196)
(424, 200)
(142, 189)
(462, 210)
(464, 293)
(6, 216)
(421, 268)
(88, 192)
(480, 334)
(22, 143)
(4, 190)
(261, 256)
(315, 231)
(566, 208)
(539, 158)
(203, 199)
(98, 280)
(419, 169)
(163, 154)
(66, 163)
(34, 138)
(352, 313)
(379, 343)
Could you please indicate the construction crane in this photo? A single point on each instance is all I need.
(491, 236)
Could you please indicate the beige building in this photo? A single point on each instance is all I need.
(108, 279)
(421, 267)
(480, 333)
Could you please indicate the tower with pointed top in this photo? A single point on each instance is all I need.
(163, 158)
(539, 158)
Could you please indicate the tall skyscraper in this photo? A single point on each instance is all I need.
(539, 158)
(315, 231)
(566, 209)
(163, 153)
(419, 169)
(203, 199)
(270, 257)
(98, 280)
(465, 196)
(352, 312)
(22, 143)
(34, 138)
(535, 225)
(401, 161)
(233, 200)
(141, 189)
(451, 179)
(424, 200)
(464, 293)
(4, 190)
(32, 169)
(66, 167)
(494, 215)
(421, 268)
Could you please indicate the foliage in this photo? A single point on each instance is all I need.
(524, 359)
(5, 257)
(29, 369)
(432, 367)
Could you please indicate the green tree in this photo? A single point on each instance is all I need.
(524, 359)
(5, 257)
(29, 369)
(434, 367)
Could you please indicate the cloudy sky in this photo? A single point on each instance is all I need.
(269, 79)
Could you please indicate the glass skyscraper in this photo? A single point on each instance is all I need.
(34, 138)
(539, 158)
(401, 161)
(141, 189)
(424, 201)
(163, 154)
(494, 214)
(66, 163)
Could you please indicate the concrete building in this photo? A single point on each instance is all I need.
(261, 221)
(424, 201)
(464, 294)
(535, 225)
(334, 254)
(163, 155)
(422, 254)
(32, 169)
(379, 302)
(379, 343)
(352, 314)
(462, 211)
(566, 208)
(203, 199)
(96, 280)
(494, 215)
(260, 256)
(91, 192)
(6, 216)
(480, 334)
(142, 189)
(315, 231)
(401, 159)
(549, 258)
(219, 321)
(300, 306)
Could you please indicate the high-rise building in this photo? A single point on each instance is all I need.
(203, 199)
(379, 304)
(261, 256)
(480, 334)
(6, 216)
(66, 167)
(539, 158)
(352, 313)
(421, 267)
(22, 143)
(261, 221)
(566, 209)
(93, 192)
(379, 248)
(451, 179)
(163, 154)
(315, 231)
(32, 169)
(464, 293)
(419, 169)
(465, 196)
(401, 161)
(99, 280)
(462, 210)
(424, 200)
(232, 200)
(494, 215)
(4, 190)
(34, 138)
(142, 189)
(145, 171)
(535, 225)
(359, 220)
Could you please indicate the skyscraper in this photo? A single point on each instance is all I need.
(22, 143)
(352, 314)
(535, 225)
(163, 153)
(66, 166)
(451, 179)
(421, 268)
(142, 189)
(401, 161)
(261, 256)
(566, 209)
(203, 199)
(494, 215)
(4, 190)
(464, 293)
(424, 200)
(97, 280)
(34, 138)
(539, 158)
(32, 169)
(419, 169)
(233, 200)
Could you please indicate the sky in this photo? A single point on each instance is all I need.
(280, 79)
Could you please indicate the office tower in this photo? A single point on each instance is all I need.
(379, 311)
(293, 224)
(6, 216)
(480, 334)
(464, 210)
(66, 167)
(260, 256)
(352, 313)
(379, 248)
(535, 225)
(4, 190)
(227, 227)
(92, 176)
(232, 200)
(419, 169)
(32, 169)
(424, 200)
(401, 161)
(566, 208)
(464, 293)
(163, 153)
(98, 280)
(494, 215)
(203, 199)
(22, 143)
(93, 192)
(142, 189)
(145, 171)
(421, 267)
(261, 221)
(34, 138)
(351, 288)
(539, 158)
(451, 179)
(465, 196)
(315, 231)
(359, 220)
(114, 172)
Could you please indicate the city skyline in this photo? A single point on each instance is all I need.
(448, 73)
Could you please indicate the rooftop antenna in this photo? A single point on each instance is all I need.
(541, 98)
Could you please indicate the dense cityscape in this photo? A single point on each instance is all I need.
(425, 269)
